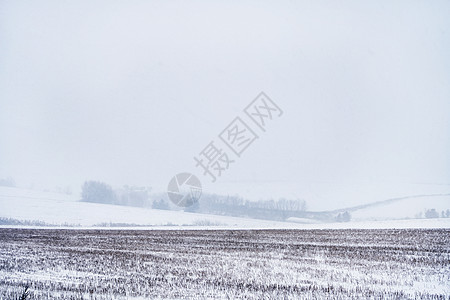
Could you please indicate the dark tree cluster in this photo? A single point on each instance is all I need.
(100, 192)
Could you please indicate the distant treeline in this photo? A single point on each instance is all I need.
(8, 181)
(11, 221)
(433, 213)
(280, 209)
(100, 192)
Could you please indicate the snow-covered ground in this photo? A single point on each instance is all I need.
(228, 264)
(54, 208)
(59, 209)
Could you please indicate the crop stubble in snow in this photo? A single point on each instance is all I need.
(198, 264)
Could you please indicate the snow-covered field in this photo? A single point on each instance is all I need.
(180, 255)
(230, 264)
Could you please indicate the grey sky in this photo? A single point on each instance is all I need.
(129, 92)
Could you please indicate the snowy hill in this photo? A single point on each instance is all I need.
(401, 208)
(60, 209)
(326, 196)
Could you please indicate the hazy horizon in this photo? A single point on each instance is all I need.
(130, 92)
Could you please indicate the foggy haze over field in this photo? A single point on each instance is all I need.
(130, 92)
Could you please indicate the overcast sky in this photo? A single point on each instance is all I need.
(128, 92)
